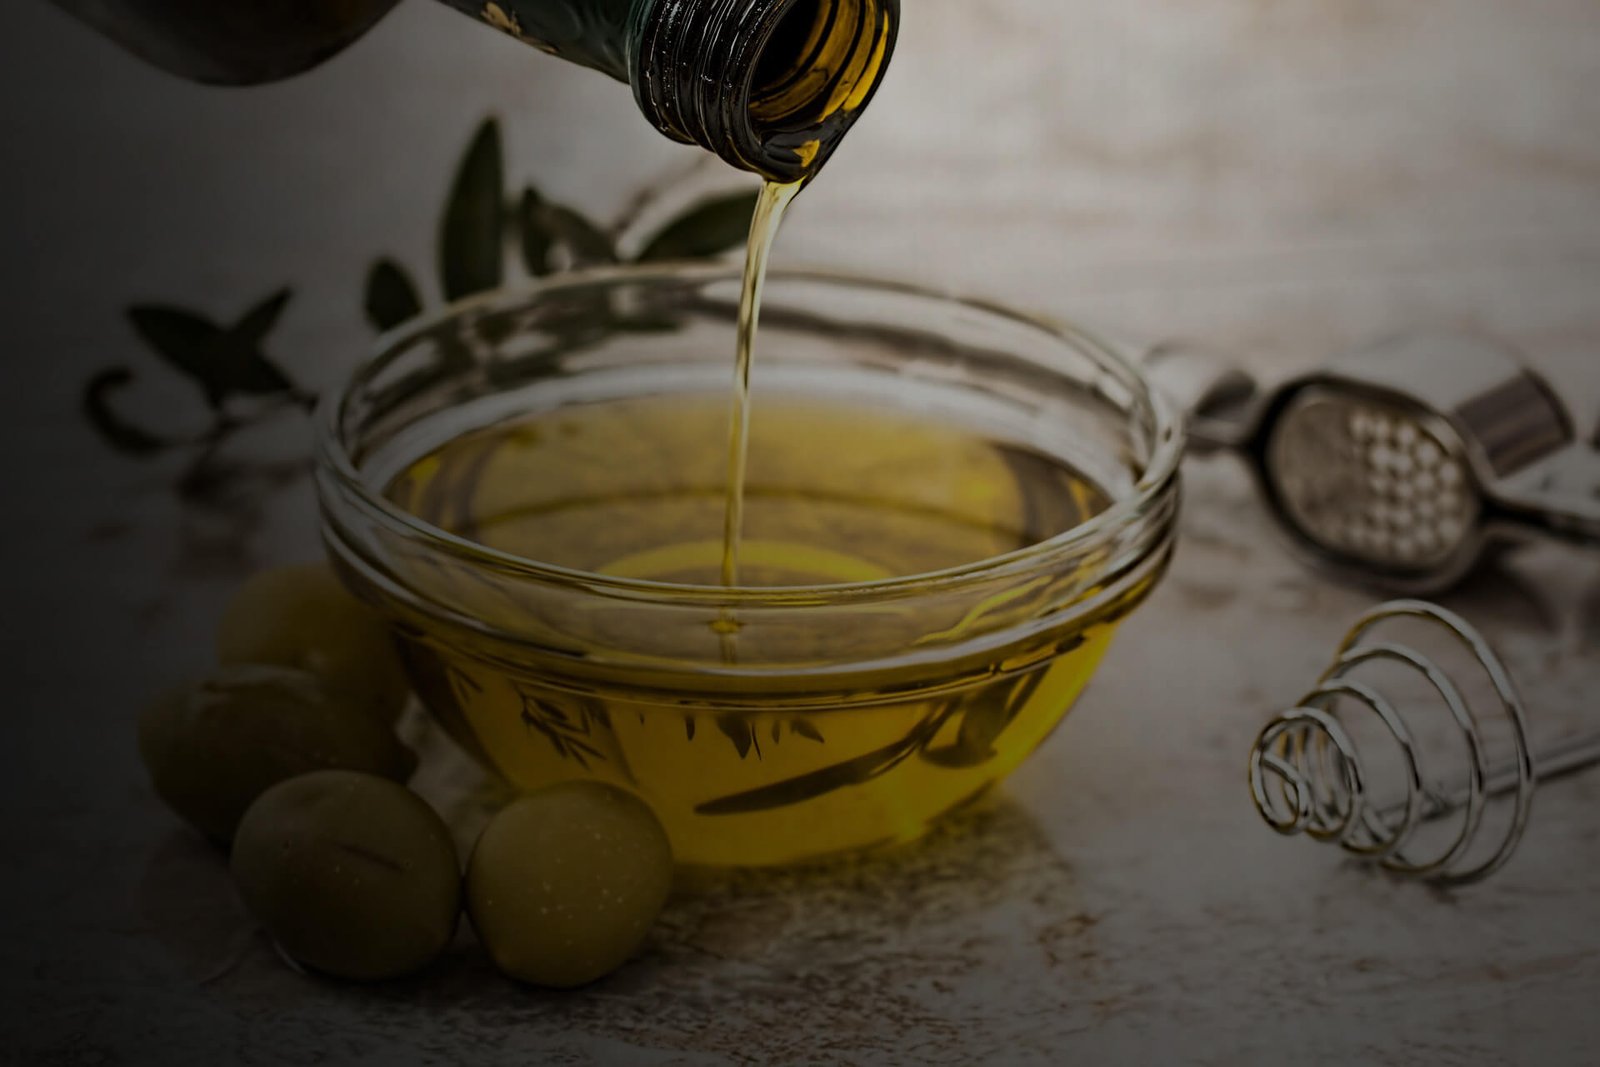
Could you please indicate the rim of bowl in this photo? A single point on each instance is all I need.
(1156, 481)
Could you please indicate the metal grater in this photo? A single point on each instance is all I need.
(1403, 463)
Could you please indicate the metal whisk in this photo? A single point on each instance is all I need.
(1307, 774)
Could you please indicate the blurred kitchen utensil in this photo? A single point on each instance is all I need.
(1403, 463)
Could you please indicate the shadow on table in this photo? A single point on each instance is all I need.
(897, 945)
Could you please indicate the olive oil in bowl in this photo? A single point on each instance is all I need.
(835, 493)
(947, 512)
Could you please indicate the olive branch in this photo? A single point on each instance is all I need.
(482, 232)
(488, 238)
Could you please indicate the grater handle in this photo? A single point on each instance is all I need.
(1559, 496)
(1217, 398)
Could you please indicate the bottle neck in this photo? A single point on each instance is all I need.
(770, 86)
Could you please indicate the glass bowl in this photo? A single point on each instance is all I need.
(857, 711)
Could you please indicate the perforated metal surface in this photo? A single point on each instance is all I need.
(1374, 482)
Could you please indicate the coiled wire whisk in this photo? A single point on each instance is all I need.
(1307, 775)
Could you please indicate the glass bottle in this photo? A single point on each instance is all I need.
(770, 86)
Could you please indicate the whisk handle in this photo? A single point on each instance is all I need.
(1553, 763)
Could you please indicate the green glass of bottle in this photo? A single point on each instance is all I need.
(770, 86)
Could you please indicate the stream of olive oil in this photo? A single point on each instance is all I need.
(770, 208)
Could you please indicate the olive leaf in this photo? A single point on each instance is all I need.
(566, 739)
(259, 320)
(221, 361)
(707, 229)
(226, 361)
(463, 686)
(819, 783)
(579, 733)
(250, 370)
(391, 296)
(982, 722)
(587, 244)
(537, 238)
(804, 728)
(743, 735)
(187, 343)
(471, 249)
(119, 434)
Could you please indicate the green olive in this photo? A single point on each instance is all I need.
(351, 874)
(564, 884)
(302, 616)
(214, 746)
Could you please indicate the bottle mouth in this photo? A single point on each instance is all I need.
(771, 87)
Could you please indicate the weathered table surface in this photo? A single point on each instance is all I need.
(1281, 179)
